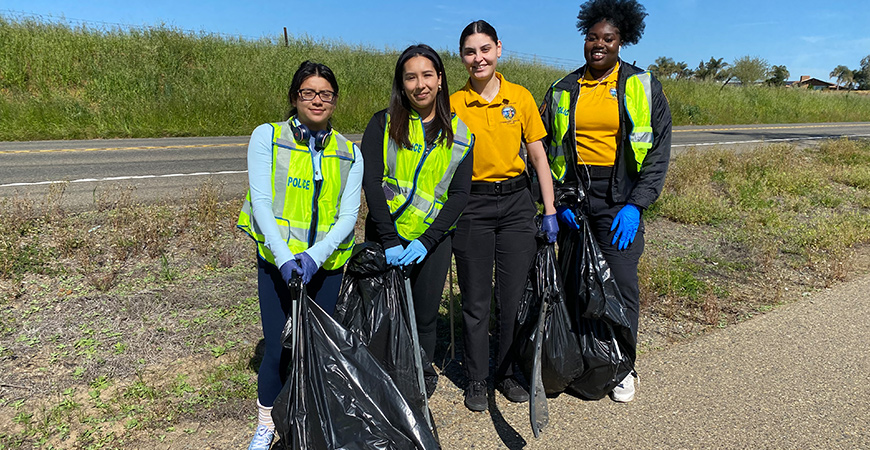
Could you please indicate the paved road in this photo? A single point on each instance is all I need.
(159, 168)
(794, 378)
(706, 136)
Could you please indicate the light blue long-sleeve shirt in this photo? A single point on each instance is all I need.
(260, 183)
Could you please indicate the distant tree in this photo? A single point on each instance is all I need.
(861, 75)
(714, 69)
(842, 73)
(860, 79)
(778, 76)
(750, 69)
(682, 71)
(665, 67)
(849, 80)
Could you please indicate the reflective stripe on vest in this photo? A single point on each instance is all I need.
(560, 105)
(638, 101)
(416, 179)
(304, 211)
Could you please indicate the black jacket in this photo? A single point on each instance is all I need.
(379, 223)
(627, 185)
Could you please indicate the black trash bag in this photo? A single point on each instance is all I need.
(606, 364)
(371, 305)
(596, 305)
(560, 355)
(338, 396)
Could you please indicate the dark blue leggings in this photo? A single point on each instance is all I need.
(275, 304)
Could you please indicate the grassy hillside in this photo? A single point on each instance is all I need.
(59, 82)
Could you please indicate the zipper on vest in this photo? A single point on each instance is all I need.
(312, 230)
(426, 150)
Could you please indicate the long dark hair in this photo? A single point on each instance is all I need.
(400, 107)
(305, 70)
(478, 26)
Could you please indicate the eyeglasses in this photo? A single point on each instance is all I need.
(309, 94)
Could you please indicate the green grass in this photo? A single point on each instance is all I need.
(707, 103)
(60, 82)
(754, 218)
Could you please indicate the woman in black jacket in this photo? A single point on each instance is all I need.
(416, 181)
(609, 132)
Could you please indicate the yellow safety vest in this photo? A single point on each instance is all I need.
(305, 210)
(637, 100)
(416, 179)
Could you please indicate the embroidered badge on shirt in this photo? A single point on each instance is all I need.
(508, 112)
(613, 92)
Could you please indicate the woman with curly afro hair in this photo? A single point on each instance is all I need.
(609, 135)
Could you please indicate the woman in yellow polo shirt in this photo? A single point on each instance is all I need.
(497, 226)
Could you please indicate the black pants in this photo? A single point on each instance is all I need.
(275, 307)
(494, 230)
(427, 289)
(623, 263)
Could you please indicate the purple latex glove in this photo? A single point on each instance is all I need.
(625, 223)
(550, 226)
(393, 253)
(287, 269)
(308, 267)
(415, 252)
(566, 215)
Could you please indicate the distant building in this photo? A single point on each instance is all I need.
(809, 82)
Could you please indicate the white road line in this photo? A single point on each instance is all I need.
(130, 177)
(762, 141)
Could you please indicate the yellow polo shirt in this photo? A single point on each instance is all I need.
(499, 127)
(596, 120)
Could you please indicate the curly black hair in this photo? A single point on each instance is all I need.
(626, 15)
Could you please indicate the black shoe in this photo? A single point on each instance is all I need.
(475, 395)
(513, 391)
(431, 383)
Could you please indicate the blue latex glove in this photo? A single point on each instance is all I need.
(625, 223)
(287, 270)
(550, 226)
(308, 267)
(415, 252)
(566, 215)
(393, 253)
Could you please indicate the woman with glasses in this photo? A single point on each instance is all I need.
(416, 183)
(497, 228)
(304, 180)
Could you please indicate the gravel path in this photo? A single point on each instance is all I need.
(796, 377)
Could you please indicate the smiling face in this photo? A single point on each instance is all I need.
(602, 48)
(480, 55)
(315, 113)
(420, 82)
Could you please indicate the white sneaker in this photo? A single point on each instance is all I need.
(262, 438)
(624, 391)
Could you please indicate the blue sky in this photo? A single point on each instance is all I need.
(808, 37)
